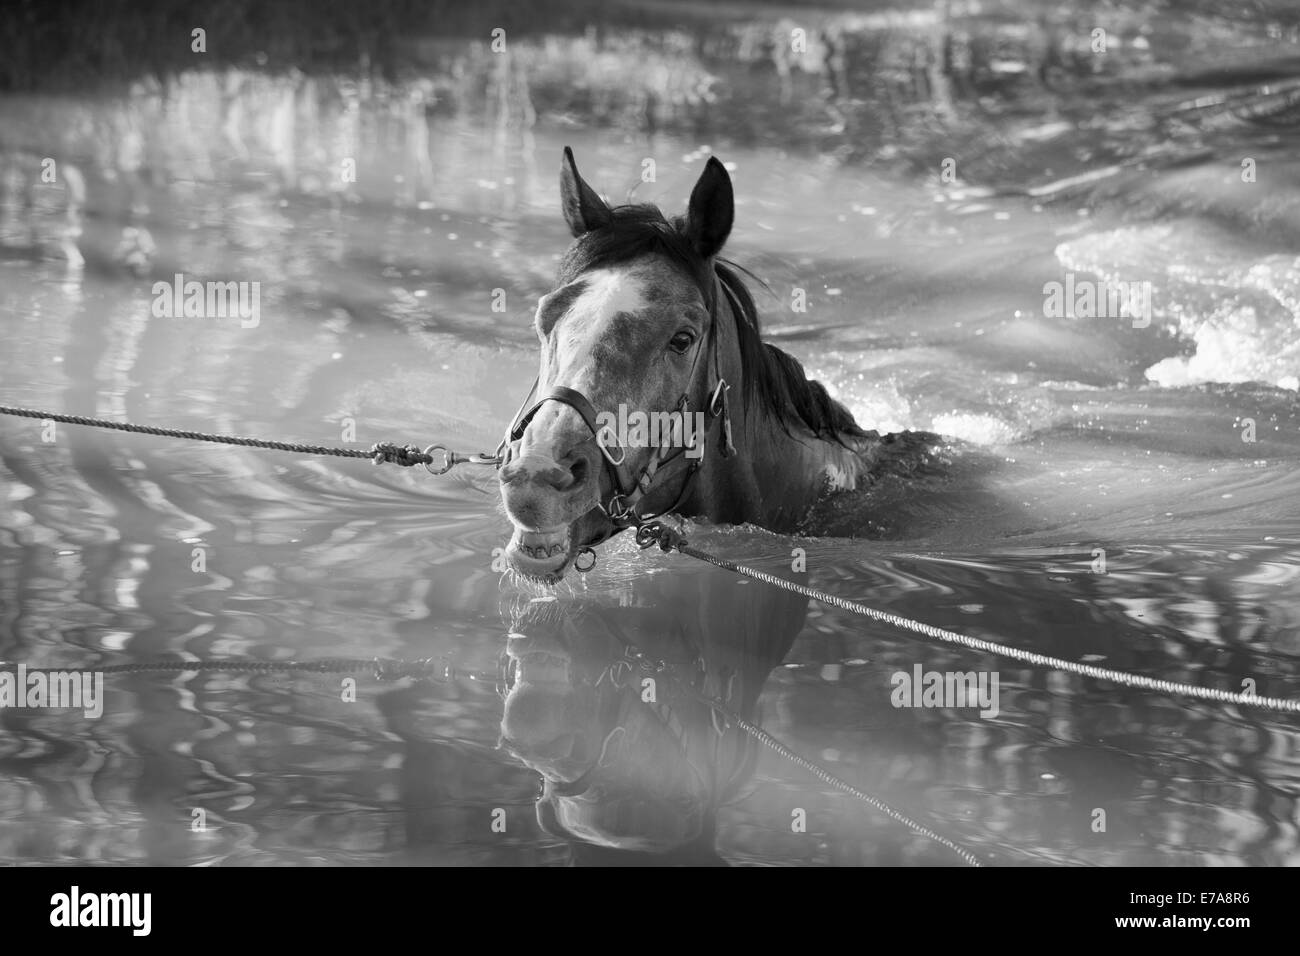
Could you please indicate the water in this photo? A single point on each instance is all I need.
(925, 310)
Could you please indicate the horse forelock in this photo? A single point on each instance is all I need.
(774, 380)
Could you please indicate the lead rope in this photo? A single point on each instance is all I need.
(387, 451)
(669, 539)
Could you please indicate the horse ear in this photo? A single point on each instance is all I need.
(584, 210)
(711, 211)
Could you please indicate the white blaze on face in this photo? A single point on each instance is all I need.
(546, 550)
(608, 292)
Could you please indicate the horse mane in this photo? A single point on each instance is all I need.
(774, 380)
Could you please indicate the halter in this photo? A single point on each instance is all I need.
(631, 490)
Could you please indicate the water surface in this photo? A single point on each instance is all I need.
(925, 310)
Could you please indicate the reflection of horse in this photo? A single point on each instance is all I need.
(622, 773)
(647, 320)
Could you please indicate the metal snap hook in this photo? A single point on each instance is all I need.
(604, 449)
(451, 459)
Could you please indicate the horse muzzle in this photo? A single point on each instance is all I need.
(554, 507)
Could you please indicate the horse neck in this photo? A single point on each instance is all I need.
(793, 470)
(775, 476)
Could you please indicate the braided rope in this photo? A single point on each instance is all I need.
(404, 455)
(669, 540)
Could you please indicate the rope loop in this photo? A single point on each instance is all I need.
(657, 533)
(393, 453)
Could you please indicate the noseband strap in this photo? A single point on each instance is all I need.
(622, 478)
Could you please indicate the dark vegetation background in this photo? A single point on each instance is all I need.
(71, 43)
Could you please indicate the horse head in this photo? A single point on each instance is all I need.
(632, 372)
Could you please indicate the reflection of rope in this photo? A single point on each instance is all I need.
(384, 669)
(763, 737)
(670, 539)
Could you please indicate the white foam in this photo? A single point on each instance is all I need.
(976, 429)
(1239, 310)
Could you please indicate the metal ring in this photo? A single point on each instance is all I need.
(449, 457)
(581, 551)
(614, 511)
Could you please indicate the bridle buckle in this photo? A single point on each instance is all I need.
(720, 407)
(718, 400)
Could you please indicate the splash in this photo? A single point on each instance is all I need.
(1239, 312)
(988, 430)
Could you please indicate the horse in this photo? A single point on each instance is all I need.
(648, 319)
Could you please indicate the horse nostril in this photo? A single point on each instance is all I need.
(561, 477)
(536, 470)
(578, 470)
(568, 474)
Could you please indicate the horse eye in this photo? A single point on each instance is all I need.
(680, 342)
